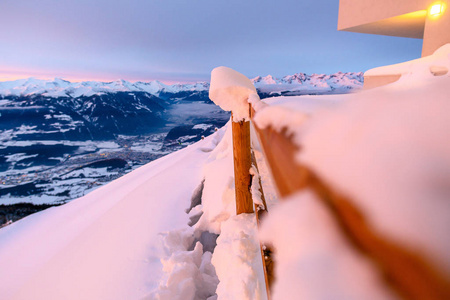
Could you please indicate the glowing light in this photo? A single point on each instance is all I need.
(437, 9)
(416, 14)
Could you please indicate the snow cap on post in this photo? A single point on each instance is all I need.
(231, 90)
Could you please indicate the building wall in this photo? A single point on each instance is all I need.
(358, 12)
(405, 18)
(437, 32)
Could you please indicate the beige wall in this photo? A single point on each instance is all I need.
(404, 18)
(358, 12)
(437, 32)
(411, 25)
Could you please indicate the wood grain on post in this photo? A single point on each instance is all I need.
(242, 164)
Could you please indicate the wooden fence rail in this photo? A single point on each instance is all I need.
(407, 272)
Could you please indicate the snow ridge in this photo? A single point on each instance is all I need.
(62, 88)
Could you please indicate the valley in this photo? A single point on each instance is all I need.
(60, 140)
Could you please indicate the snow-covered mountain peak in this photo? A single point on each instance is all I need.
(59, 87)
(62, 88)
(269, 79)
(301, 83)
(154, 87)
(297, 77)
(60, 81)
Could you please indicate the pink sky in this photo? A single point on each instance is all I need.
(182, 41)
(8, 74)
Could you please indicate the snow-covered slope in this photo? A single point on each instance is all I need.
(132, 239)
(106, 244)
(385, 148)
(62, 88)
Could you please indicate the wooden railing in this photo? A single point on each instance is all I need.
(407, 272)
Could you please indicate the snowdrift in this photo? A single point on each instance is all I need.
(168, 230)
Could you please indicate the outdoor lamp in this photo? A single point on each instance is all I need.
(436, 9)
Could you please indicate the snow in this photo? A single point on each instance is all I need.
(147, 147)
(313, 259)
(386, 150)
(292, 112)
(101, 246)
(218, 197)
(61, 88)
(189, 274)
(151, 234)
(130, 239)
(300, 82)
(230, 90)
(255, 188)
(57, 87)
(237, 259)
(438, 61)
(202, 126)
(18, 157)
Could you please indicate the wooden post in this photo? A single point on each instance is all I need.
(242, 164)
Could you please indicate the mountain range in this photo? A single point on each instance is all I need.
(62, 88)
(61, 139)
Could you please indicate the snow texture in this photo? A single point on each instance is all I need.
(132, 238)
(218, 197)
(437, 62)
(189, 274)
(237, 257)
(106, 245)
(292, 112)
(313, 259)
(256, 187)
(386, 150)
(256, 102)
(231, 91)
(238, 261)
